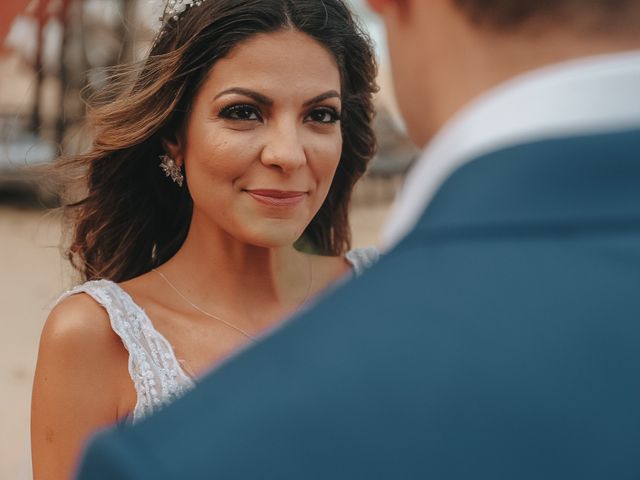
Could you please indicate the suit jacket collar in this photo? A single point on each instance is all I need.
(571, 183)
(595, 94)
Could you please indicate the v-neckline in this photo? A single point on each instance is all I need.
(350, 258)
(140, 311)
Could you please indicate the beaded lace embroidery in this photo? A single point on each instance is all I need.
(157, 374)
(362, 258)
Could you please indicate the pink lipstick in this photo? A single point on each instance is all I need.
(277, 198)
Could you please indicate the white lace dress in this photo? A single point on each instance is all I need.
(157, 374)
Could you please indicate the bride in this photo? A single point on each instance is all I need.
(242, 134)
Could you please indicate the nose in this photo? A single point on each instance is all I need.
(284, 149)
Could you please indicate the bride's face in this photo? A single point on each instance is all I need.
(263, 139)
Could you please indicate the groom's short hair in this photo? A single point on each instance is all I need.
(588, 15)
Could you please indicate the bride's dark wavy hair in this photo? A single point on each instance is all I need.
(130, 217)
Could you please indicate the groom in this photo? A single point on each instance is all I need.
(500, 336)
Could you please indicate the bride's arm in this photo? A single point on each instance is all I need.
(77, 385)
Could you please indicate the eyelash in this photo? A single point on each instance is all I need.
(232, 113)
(334, 114)
(229, 112)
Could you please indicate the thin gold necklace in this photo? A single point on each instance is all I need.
(228, 324)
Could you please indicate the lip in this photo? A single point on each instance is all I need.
(277, 198)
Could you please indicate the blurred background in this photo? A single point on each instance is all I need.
(51, 52)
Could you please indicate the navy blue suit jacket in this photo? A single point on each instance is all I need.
(499, 340)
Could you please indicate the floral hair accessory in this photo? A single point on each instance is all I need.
(171, 10)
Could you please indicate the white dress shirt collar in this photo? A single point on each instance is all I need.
(594, 94)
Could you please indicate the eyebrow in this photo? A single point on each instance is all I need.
(264, 100)
(258, 97)
(323, 96)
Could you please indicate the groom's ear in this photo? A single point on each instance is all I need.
(377, 5)
(382, 7)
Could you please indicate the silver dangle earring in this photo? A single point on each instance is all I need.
(171, 169)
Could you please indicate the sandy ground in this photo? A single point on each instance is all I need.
(32, 275)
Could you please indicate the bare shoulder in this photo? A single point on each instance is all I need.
(328, 269)
(79, 355)
(78, 317)
(79, 325)
(77, 386)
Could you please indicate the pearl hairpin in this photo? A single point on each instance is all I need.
(172, 9)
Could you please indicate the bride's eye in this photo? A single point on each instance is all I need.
(324, 115)
(241, 112)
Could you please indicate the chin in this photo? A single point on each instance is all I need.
(273, 237)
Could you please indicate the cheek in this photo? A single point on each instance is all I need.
(221, 157)
(325, 155)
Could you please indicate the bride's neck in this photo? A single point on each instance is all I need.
(219, 271)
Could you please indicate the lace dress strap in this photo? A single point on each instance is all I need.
(362, 258)
(156, 372)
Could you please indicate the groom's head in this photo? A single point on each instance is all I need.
(588, 16)
(446, 52)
